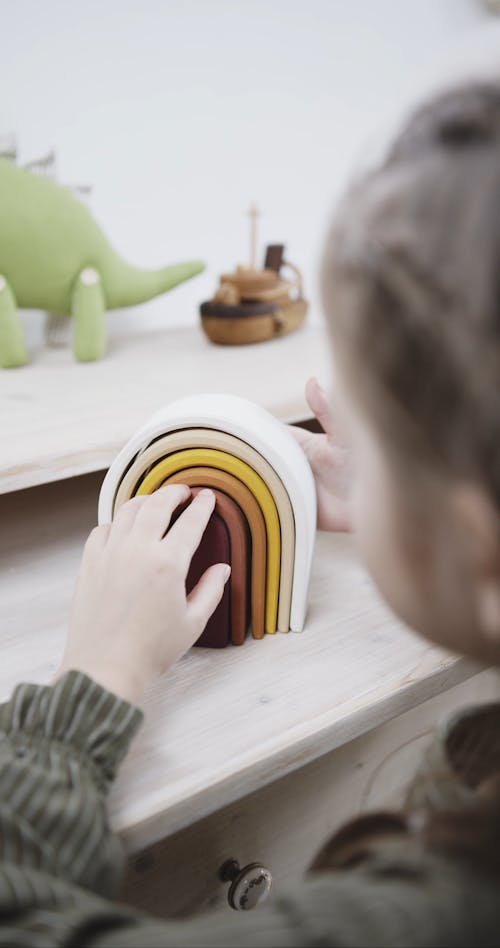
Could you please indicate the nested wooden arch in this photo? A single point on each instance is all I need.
(191, 438)
(240, 549)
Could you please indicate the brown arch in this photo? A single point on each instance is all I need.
(243, 497)
(239, 540)
(214, 548)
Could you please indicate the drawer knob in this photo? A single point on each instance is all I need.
(249, 885)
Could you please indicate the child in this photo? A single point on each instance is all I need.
(412, 296)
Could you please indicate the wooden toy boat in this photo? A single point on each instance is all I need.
(252, 305)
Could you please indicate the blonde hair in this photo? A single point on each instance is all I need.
(411, 279)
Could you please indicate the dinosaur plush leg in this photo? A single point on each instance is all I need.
(12, 348)
(88, 311)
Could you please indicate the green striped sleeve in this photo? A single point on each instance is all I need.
(60, 747)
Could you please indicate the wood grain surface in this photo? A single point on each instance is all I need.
(60, 418)
(221, 724)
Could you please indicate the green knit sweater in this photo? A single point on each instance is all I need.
(60, 864)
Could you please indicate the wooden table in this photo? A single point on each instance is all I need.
(235, 742)
(59, 418)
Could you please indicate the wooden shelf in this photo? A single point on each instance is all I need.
(62, 418)
(222, 723)
(225, 723)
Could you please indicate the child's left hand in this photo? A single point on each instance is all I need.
(330, 460)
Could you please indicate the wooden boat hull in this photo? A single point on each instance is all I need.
(242, 326)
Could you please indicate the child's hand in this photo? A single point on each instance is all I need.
(130, 618)
(330, 461)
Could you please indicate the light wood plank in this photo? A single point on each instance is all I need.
(222, 723)
(60, 418)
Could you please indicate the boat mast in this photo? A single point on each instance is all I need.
(253, 214)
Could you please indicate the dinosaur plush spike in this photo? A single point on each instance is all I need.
(54, 256)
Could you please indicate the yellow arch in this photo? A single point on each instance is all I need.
(206, 457)
(184, 438)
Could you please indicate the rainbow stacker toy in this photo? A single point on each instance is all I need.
(264, 521)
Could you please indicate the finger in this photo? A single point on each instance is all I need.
(97, 538)
(185, 535)
(153, 517)
(126, 514)
(206, 595)
(318, 403)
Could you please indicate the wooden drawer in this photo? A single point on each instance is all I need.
(285, 823)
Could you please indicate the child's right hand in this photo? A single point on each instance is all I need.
(131, 619)
(331, 463)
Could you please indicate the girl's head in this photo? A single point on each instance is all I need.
(411, 278)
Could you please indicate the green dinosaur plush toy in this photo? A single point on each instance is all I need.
(54, 256)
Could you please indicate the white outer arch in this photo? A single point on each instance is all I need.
(251, 423)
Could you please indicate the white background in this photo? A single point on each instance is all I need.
(180, 112)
